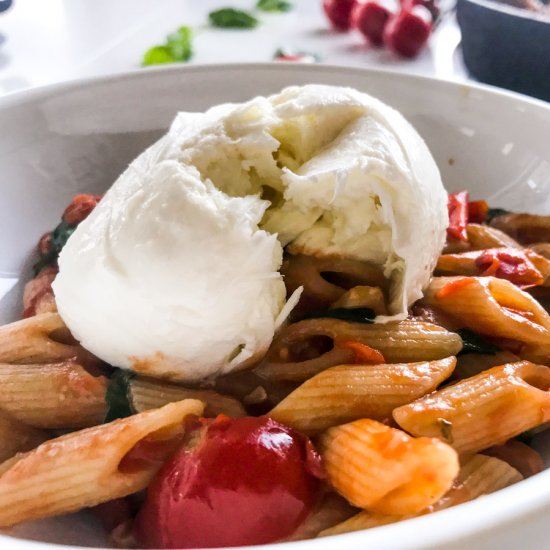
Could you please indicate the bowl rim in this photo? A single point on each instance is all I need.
(512, 505)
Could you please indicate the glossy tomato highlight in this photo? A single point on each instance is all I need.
(243, 481)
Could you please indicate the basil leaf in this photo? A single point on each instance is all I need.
(157, 55)
(494, 213)
(179, 44)
(474, 343)
(353, 315)
(117, 396)
(230, 18)
(274, 5)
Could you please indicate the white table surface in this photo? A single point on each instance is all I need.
(45, 41)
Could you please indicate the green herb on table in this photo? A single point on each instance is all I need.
(353, 315)
(274, 5)
(474, 343)
(177, 48)
(117, 396)
(495, 213)
(288, 54)
(230, 18)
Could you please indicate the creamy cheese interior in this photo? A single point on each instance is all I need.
(176, 271)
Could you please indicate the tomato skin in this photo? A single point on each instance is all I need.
(458, 216)
(247, 481)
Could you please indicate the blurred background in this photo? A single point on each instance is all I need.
(46, 41)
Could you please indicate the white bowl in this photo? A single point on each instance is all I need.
(77, 137)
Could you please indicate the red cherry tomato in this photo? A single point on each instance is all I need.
(370, 19)
(407, 32)
(457, 203)
(430, 5)
(339, 13)
(246, 481)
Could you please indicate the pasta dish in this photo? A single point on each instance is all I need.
(276, 325)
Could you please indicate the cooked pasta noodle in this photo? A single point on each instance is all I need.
(526, 228)
(384, 470)
(43, 338)
(479, 475)
(54, 395)
(326, 279)
(519, 455)
(16, 437)
(148, 394)
(84, 468)
(491, 306)
(399, 342)
(351, 392)
(484, 410)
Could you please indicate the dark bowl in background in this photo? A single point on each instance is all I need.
(506, 46)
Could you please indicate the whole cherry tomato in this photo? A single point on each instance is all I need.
(245, 481)
(407, 32)
(339, 13)
(370, 19)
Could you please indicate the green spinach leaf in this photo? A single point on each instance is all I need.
(474, 343)
(117, 396)
(494, 213)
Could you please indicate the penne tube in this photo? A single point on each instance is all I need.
(148, 394)
(55, 395)
(470, 364)
(16, 437)
(303, 349)
(521, 267)
(42, 338)
(543, 249)
(350, 392)
(326, 279)
(384, 470)
(479, 475)
(85, 468)
(481, 236)
(525, 228)
(491, 306)
(523, 458)
(331, 510)
(484, 410)
(363, 296)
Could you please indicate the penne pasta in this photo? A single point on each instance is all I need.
(484, 410)
(525, 228)
(470, 364)
(16, 437)
(55, 395)
(42, 338)
(519, 455)
(481, 237)
(85, 468)
(303, 349)
(521, 267)
(491, 306)
(350, 392)
(363, 296)
(543, 249)
(479, 475)
(384, 470)
(332, 510)
(148, 394)
(326, 279)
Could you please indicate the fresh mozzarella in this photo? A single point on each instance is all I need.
(175, 273)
